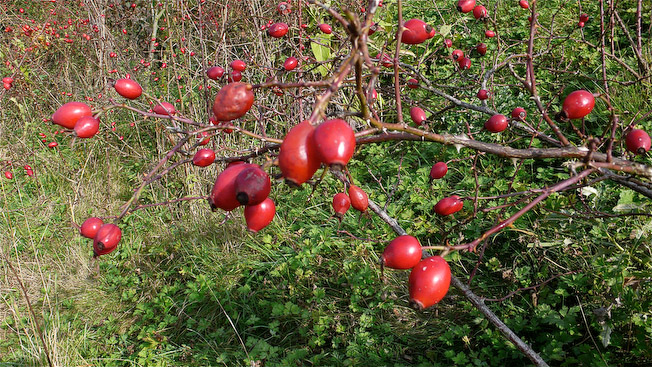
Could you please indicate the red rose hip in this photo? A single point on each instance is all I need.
(128, 88)
(203, 157)
(359, 198)
(637, 141)
(68, 114)
(404, 252)
(298, 158)
(233, 101)
(252, 186)
(106, 239)
(341, 204)
(260, 215)
(465, 6)
(429, 282)
(418, 115)
(496, 123)
(438, 170)
(449, 205)
(90, 227)
(335, 142)
(578, 104)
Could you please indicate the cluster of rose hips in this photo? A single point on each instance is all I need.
(429, 278)
(306, 147)
(105, 236)
(7, 82)
(10, 175)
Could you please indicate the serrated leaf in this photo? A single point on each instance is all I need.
(605, 335)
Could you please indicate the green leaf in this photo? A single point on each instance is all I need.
(445, 30)
(321, 51)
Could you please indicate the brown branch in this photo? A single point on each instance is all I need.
(530, 82)
(472, 297)
(397, 54)
(509, 221)
(504, 329)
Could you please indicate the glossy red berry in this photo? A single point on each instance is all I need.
(524, 4)
(578, 104)
(448, 43)
(341, 204)
(359, 198)
(457, 54)
(584, 17)
(416, 31)
(165, 108)
(519, 114)
(215, 72)
(438, 170)
(385, 60)
(580, 24)
(9, 175)
(483, 94)
(496, 123)
(481, 48)
(86, 127)
(90, 227)
(429, 282)
(284, 8)
(335, 142)
(418, 115)
(234, 76)
(106, 239)
(8, 80)
(465, 6)
(298, 158)
(464, 63)
(290, 63)
(233, 101)
(238, 65)
(637, 141)
(252, 186)
(373, 28)
(260, 215)
(480, 12)
(68, 114)
(204, 138)
(374, 95)
(404, 252)
(413, 83)
(277, 30)
(128, 88)
(449, 205)
(489, 33)
(204, 157)
(223, 193)
(325, 28)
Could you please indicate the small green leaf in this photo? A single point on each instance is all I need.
(445, 30)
